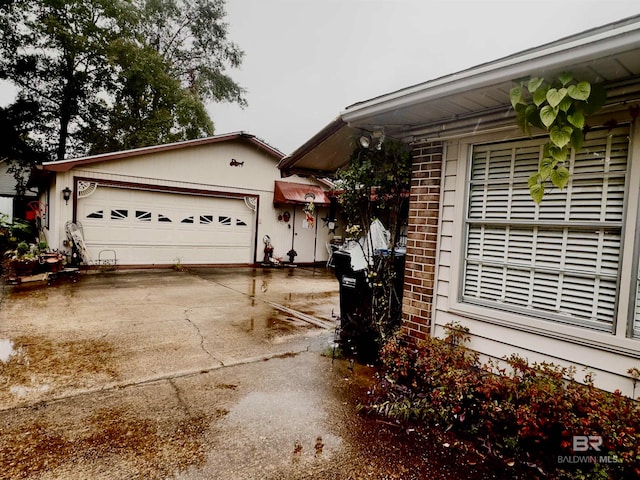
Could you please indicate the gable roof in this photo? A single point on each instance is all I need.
(479, 97)
(66, 165)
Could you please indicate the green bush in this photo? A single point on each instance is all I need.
(523, 414)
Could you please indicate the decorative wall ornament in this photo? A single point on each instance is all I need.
(86, 189)
(309, 209)
(251, 203)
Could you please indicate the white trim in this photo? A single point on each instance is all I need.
(577, 335)
(562, 54)
(627, 293)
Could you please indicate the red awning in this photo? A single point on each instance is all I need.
(299, 194)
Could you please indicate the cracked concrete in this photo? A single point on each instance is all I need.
(118, 329)
(203, 374)
(186, 317)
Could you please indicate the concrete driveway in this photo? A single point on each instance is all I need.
(123, 328)
(200, 374)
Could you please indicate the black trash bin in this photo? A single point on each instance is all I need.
(357, 335)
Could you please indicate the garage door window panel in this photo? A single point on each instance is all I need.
(143, 216)
(558, 260)
(119, 214)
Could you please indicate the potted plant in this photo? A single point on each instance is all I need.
(23, 260)
(50, 261)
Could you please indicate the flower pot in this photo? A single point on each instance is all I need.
(23, 266)
(53, 264)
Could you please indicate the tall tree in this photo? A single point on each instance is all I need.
(175, 64)
(16, 148)
(55, 52)
(112, 74)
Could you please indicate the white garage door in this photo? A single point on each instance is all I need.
(147, 228)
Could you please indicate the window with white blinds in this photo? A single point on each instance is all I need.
(558, 260)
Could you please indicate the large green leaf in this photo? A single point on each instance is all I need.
(531, 114)
(534, 84)
(565, 104)
(548, 115)
(521, 119)
(555, 96)
(545, 167)
(576, 119)
(560, 136)
(537, 192)
(565, 77)
(533, 180)
(540, 95)
(560, 177)
(515, 95)
(580, 91)
(577, 139)
(559, 154)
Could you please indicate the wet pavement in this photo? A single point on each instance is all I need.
(201, 374)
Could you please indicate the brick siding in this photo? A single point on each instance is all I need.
(424, 208)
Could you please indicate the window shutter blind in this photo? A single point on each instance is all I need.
(558, 260)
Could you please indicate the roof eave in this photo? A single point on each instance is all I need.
(602, 42)
(66, 165)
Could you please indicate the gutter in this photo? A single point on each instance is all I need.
(608, 40)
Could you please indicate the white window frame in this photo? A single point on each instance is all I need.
(619, 340)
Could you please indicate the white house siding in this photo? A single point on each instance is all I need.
(496, 333)
(203, 169)
(6, 208)
(299, 235)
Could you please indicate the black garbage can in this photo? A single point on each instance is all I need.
(357, 334)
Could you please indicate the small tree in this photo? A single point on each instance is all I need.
(375, 185)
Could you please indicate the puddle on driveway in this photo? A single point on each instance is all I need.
(273, 430)
(6, 349)
(269, 324)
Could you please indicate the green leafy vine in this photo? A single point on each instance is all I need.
(560, 108)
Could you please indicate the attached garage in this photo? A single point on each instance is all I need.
(152, 227)
(201, 202)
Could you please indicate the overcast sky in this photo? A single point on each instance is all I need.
(306, 60)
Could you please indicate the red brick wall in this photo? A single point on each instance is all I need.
(424, 208)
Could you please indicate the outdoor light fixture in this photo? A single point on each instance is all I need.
(379, 136)
(374, 140)
(66, 194)
(365, 141)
